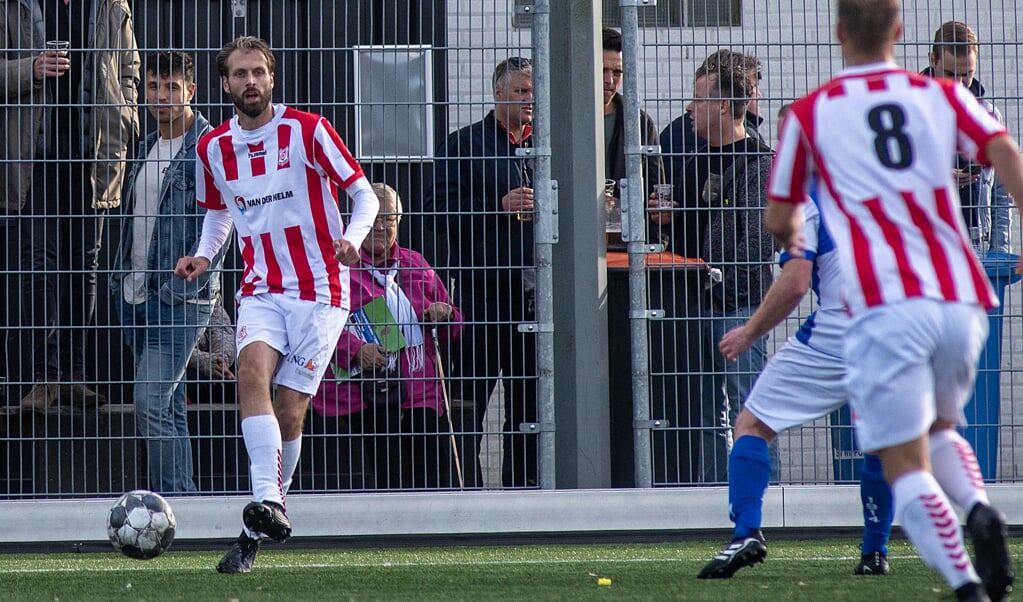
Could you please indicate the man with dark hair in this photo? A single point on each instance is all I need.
(985, 202)
(916, 294)
(163, 316)
(482, 201)
(679, 140)
(275, 172)
(722, 191)
(614, 123)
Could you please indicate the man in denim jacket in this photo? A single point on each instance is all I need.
(163, 316)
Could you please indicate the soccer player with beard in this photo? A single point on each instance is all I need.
(274, 172)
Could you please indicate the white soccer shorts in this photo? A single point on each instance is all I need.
(305, 332)
(908, 363)
(798, 385)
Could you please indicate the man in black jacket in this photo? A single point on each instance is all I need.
(482, 203)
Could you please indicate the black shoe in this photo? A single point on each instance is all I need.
(972, 592)
(240, 555)
(745, 551)
(875, 563)
(267, 518)
(989, 533)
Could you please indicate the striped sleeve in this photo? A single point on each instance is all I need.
(787, 183)
(207, 195)
(331, 157)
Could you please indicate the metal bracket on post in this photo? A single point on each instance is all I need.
(651, 424)
(639, 3)
(528, 8)
(536, 427)
(527, 327)
(647, 314)
(650, 150)
(238, 10)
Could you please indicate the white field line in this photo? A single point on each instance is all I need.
(277, 564)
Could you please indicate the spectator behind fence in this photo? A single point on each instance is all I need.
(985, 202)
(275, 172)
(726, 186)
(614, 128)
(482, 201)
(163, 316)
(211, 366)
(87, 123)
(681, 144)
(385, 381)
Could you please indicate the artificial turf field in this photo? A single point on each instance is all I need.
(819, 569)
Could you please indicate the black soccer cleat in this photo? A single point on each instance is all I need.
(972, 592)
(267, 518)
(994, 565)
(745, 551)
(875, 563)
(240, 555)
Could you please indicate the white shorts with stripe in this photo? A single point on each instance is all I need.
(304, 332)
(798, 385)
(910, 362)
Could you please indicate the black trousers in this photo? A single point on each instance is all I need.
(60, 240)
(491, 347)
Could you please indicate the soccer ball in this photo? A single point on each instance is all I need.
(141, 525)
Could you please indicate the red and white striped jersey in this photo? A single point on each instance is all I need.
(280, 184)
(881, 140)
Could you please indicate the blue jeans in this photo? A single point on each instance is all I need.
(726, 385)
(162, 338)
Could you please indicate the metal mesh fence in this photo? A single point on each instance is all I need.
(409, 86)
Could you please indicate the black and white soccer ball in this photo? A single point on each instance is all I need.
(141, 525)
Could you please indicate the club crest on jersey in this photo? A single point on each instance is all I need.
(284, 158)
(239, 202)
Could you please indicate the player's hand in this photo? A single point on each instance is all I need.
(191, 268)
(437, 312)
(371, 356)
(657, 215)
(346, 252)
(735, 342)
(518, 200)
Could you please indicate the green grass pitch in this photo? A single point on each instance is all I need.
(795, 570)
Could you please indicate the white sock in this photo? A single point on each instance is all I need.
(290, 453)
(955, 468)
(926, 516)
(262, 436)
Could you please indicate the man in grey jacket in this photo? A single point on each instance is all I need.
(163, 316)
(75, 111)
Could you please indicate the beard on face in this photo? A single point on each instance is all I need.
(251, 108)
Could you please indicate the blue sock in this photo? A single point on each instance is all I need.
(877, 506)
(749, 468)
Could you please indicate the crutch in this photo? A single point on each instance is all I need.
(447, 407)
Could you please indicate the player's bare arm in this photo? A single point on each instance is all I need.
(785, 222)
(782, 298)
(190, 268)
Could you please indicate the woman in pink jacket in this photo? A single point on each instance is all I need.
(383, 379)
